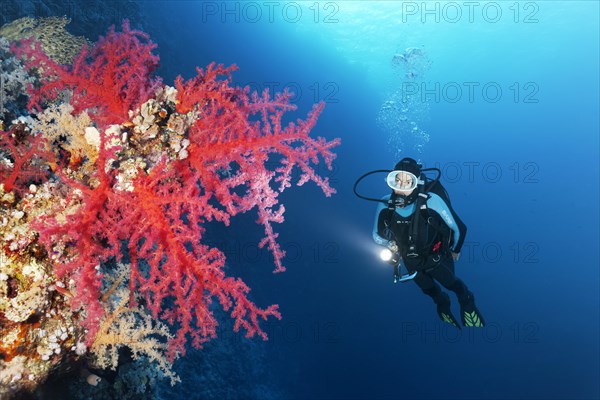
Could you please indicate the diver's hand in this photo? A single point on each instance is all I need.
(393, 247)
(455, 256)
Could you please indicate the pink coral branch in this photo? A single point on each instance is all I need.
(240, 157)
(30, 159)
(115, 76)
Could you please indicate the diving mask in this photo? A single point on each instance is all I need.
(402, 181)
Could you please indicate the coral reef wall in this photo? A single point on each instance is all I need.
(92, 17)
(109, 180)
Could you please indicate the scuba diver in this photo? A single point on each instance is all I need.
(423, 236)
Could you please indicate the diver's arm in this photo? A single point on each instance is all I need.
(437, 204)
(462, 228)
(376, 237)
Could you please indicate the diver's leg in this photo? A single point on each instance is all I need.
(444, 274)
(440, 298)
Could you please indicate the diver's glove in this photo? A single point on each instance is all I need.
(393, 246)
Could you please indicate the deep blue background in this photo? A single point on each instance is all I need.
(347, 331)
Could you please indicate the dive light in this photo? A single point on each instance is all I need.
(389, 256)
(393, 257)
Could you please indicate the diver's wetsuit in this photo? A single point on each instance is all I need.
(440, 232)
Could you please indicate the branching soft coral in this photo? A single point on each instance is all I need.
(226, 138)
(237, 130)
(24, 158)
(131, 327)
(111, 79)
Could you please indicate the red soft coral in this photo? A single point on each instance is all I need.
(114, 77)
(241, 131)
(24, 158)
(224, 171)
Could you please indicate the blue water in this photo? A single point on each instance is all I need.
(522, 170)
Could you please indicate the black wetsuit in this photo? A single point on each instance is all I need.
(440, 232)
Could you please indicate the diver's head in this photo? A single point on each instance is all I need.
(409, 165)
(404, 179)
